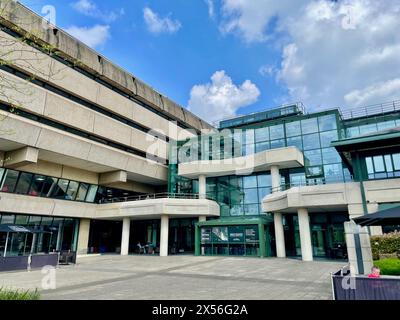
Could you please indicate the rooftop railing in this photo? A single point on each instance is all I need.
(152, 196)
(316, 182)
(371, 110)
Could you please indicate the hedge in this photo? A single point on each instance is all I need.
(386, 244)
(389, 267)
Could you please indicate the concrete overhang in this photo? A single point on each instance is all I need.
(155, 208)
(21, 157)
(140, 210)
(317, 198)
(288, 157)
(113, 177)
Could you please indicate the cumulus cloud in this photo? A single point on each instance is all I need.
(90, 9)
(221, 98)
(334, 53)
(156, 24)
(92, 36)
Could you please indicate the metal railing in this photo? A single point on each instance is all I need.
(371, 110)
(316, 182)
(152, 196)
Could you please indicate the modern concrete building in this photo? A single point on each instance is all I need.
(102, 162)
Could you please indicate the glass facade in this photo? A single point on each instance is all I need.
(37, 185)
(54, 234)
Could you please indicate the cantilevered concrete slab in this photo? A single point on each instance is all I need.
(21, 157)
(289, 157)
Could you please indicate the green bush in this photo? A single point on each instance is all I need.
(388, 243)
(389, 267)
(6, 294)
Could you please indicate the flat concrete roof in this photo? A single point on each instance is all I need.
(22, 20)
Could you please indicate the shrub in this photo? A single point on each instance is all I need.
(389, 267)
(386, 244)
(6, 294)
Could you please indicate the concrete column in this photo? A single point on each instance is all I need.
(202, 218)
(358, 248)
(83, 238)
(59, 236)
(126, 228)
(164, 236)
(305, 234)
(279, 236)
(275, 178)
(202, 186)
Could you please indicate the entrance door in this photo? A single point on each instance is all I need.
(319, 240)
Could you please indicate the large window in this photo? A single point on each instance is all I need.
(383, 166)
(37, 185)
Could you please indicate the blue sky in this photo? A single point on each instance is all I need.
(225, 57)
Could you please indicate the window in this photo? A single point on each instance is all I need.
(250, 196)
(24, 183)
(7, 219)
(352, 132)
(263, 192)
(262, 134)
(262, 146)
(2, 170)
(249, 149)
(72, 190)
(298, 178)
(311, 141)
(313, 157)
(327, 137)
(250, 181)
(275, 144)
(49, 185)
(368, 128)
(293, 129)
(237, 210)
(60, 190)
(37, 185)
(309, 125)
(330, 155)
(396, 161)
(386, 125)
(295, 142)
(315, 171)
(379, 164)
(276, 132)
(333, 172)
(264, 180)
(327, 122)
(248, 136)
(9, 181)
(251, 210)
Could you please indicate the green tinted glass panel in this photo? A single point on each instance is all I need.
(276, 132)
(293, 129)
(313, 157)
(275, 144)
(311, 141)
(262, 146)
(379, 164)
(309, 125)
(250, 196)
(295, 142)
(333, 172)
(327, 122)
(250, 181)
(330, 155)
(261, 134)
(327, 137)
(264, 180)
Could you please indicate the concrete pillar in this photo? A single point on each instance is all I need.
(83, 238)
(305, 234)
(358, 248)
(275, 178)
(202, 218)
(202, 186)
(164, 236)
(59, 236)
(126, 227)
(279, 236)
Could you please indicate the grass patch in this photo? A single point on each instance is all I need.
(389, 267)
(6, 294)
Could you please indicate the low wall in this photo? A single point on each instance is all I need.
(28, 262)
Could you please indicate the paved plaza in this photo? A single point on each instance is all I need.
(182, 277)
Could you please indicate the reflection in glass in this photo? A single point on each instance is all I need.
(276, 132)
(264, 180)
(295, 142)
(293, 129)
(9, 181)
(313, 157)
(24, 183)
(72, 190)
(262, 134)
(311, 141)
(327, 122)
(333, 172)
(330, 155)
(327, 137)
(309, 125)
(82, 191)
(275, 144)
(250, 181)
(61, 189)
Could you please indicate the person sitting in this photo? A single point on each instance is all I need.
(141, 248)
(375, 272)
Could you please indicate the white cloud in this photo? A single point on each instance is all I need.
(90, 9)
(211, 8)
(334, 53)
(157, 25)
(267, 70)
(221, 98)
(92, 36)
